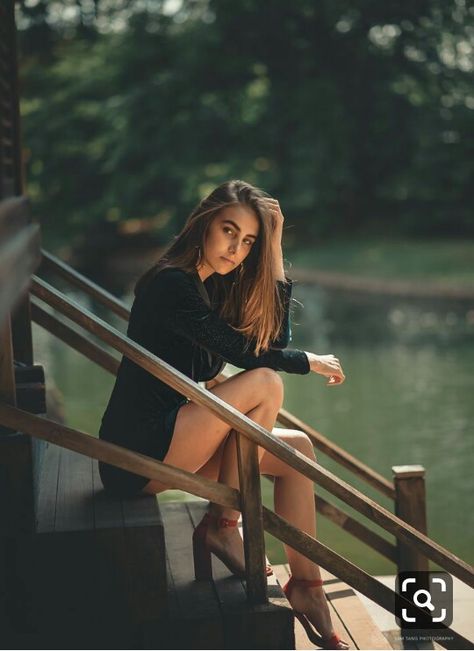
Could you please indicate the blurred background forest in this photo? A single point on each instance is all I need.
(358, 116)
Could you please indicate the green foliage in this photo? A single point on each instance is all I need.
(355, 115)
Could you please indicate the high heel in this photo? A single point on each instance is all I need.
(332, 642)
(202, 551)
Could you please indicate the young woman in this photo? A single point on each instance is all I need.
(219, 294)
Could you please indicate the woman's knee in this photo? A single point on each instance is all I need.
(270, 383)
(302, 443)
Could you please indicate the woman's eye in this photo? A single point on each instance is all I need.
(226, 229)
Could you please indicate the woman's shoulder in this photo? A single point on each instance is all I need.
(172, 278)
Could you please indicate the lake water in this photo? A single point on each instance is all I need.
(408, 398)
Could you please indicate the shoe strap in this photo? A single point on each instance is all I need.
(221, 522)
(304, 583)
(224, 522)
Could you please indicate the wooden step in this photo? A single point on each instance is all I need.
(351, 620)
(95, 566)
(213, 614)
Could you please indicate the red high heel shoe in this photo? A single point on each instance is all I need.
(332, 642)
(202, 551)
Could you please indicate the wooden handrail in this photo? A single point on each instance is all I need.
(255, 432)
(71, 439)
(74, 339)
(104, 359)
(385, 486)
(98, 293)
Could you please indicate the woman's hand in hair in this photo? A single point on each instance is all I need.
(327, 365)
(277, 217)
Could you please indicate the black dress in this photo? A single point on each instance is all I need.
(174, 317)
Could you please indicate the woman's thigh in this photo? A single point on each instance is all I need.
(198, 432)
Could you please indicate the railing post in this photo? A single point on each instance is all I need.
(410, 505)
(252, 520)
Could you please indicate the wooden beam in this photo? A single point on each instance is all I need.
(74, 339)
(251, 505)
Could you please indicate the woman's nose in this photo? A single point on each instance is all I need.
(234, 247)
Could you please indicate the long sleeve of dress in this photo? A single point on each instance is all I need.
(189, 316)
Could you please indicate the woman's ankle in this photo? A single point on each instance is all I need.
(217, 513)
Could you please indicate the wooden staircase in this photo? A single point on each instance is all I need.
(104, 571)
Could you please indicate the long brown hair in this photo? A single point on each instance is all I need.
(246, 298)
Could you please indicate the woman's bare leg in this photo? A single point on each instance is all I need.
(294, 501)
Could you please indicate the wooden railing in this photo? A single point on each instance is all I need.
(253, 435)
(174, 477)
(405, 496)
(253, 431)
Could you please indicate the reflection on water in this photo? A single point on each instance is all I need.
(407, 399)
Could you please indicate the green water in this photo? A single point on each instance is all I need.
(407, 399)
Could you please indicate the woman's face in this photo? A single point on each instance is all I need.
(229, 240)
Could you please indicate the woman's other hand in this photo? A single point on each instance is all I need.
(327, 365)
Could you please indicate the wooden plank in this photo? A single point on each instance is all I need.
(22, 335)
(142, 510)
(199, 622)
(48, 493)
(7, 373)
(108, 513)
(75, 508)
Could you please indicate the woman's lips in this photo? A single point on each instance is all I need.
(227, 260)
